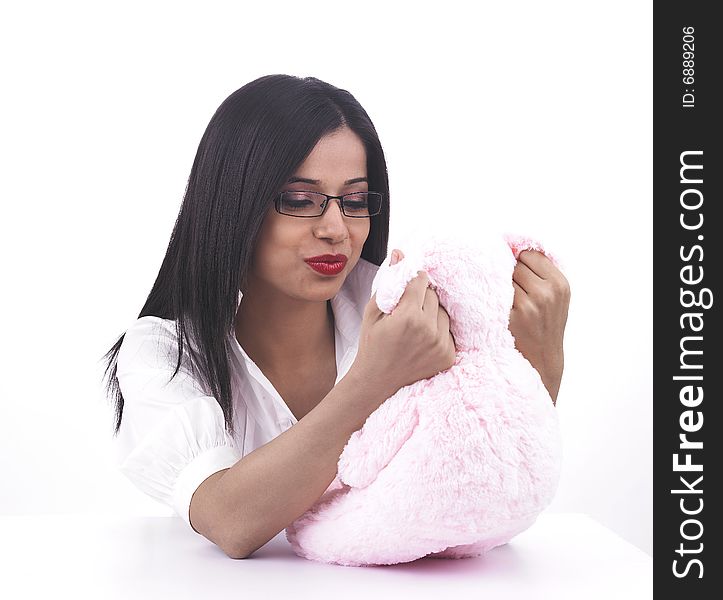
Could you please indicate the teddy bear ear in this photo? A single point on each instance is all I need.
(520, 242)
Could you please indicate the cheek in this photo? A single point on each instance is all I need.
(274, 238)
(359, 232)
(285, 242)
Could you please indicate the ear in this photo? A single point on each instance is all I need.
(391, 280)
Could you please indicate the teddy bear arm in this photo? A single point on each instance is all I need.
(372, 447)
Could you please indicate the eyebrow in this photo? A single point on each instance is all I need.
(295, 179)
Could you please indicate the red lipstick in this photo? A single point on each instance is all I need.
(327, 264)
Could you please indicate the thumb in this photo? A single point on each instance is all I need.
(371, 308)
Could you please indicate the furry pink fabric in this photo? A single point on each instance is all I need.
(456, 464)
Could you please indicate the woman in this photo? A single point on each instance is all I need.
(258, 352)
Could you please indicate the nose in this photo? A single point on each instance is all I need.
(332, 223)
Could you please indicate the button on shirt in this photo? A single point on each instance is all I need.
(173, 435)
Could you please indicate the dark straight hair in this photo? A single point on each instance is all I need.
(254, 142)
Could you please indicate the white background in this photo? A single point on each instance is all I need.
(536, 116)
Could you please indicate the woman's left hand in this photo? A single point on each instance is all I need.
(539, 314)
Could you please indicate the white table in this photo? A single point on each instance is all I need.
(102, 557)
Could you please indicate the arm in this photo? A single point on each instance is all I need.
(240, 509)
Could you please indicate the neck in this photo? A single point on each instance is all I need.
(278, 330)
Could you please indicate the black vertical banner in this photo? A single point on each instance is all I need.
(687, 194)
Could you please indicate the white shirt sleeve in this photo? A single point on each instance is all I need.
(173, 434)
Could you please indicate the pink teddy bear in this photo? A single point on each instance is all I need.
(458, 463)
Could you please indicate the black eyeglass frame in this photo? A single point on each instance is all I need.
(340, 200)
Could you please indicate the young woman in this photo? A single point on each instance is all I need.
(258, 351)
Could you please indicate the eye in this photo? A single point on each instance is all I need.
(293, 196)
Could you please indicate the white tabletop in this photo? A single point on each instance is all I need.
(59, 556)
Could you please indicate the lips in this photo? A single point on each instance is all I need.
(328, 258)
(327, 264)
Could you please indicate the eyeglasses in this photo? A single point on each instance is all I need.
(360, 205)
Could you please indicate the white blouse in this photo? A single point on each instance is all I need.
(173, 436)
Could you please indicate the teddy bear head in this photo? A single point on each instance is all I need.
(472, 278)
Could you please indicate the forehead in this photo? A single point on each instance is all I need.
(336, 157)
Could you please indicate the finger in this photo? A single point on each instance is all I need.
(445, 331)
(538, 263)
(414, 294)
(525, 277)
(442, 322)
(372, 309)
(431, 304)
(520, 296)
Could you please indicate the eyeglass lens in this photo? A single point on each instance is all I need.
(309, 204)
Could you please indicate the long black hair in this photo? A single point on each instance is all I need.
(253, 143)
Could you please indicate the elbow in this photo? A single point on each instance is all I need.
(235, 542)
(209, 517)
(220, 535)
(233, 548)
(236, 552)
(241, 551)
(230, 547)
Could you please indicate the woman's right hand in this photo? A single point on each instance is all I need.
(412, 342)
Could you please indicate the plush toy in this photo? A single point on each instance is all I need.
(458, 463)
